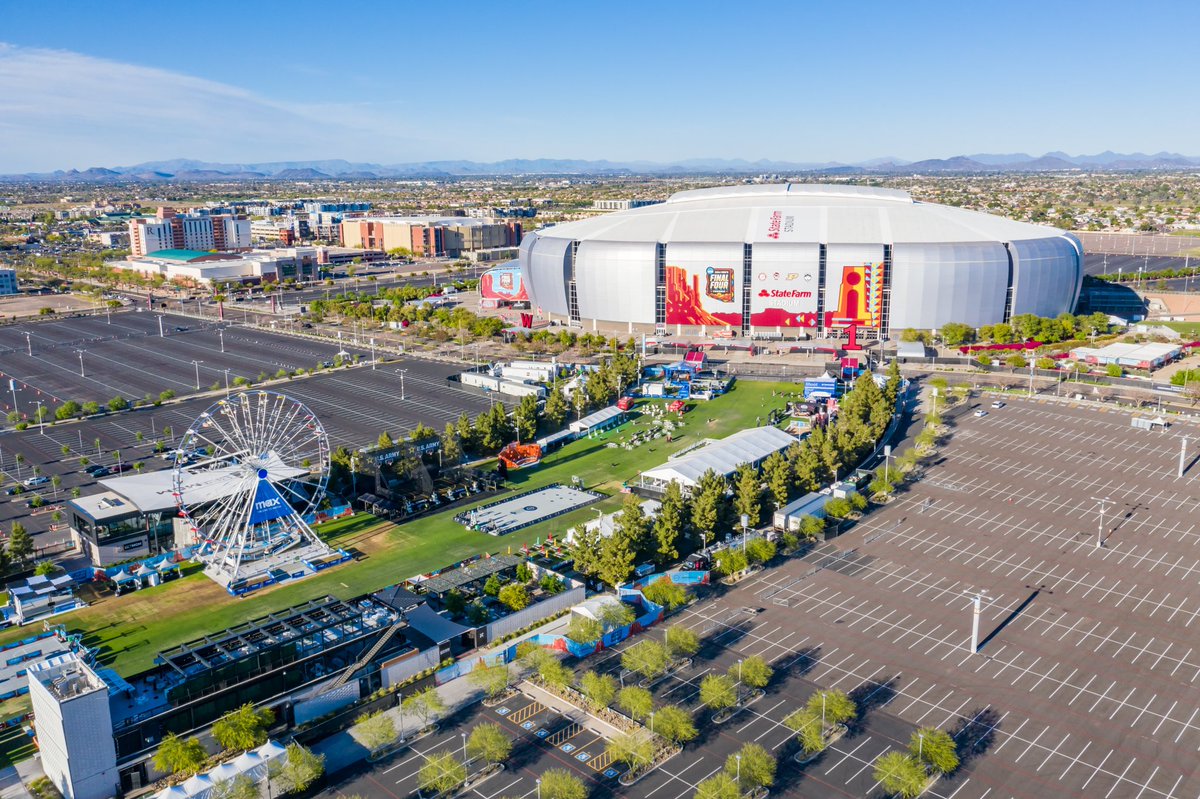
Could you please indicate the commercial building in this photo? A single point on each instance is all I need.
(8, 281)
(75, 732)
(799, 260)
(168, 230)
(622, 205)
(429, 236)
(1128, 354)
(205, 268)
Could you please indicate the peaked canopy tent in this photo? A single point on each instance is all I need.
(723, 457)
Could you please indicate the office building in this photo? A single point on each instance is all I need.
(168, 230)
(429, 236)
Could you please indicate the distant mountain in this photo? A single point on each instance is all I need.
(189, 169)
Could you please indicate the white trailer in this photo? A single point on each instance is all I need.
(788, 517)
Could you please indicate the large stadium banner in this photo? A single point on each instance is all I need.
(704, 284)
(784, 285)
(502, 284)
(853, 285)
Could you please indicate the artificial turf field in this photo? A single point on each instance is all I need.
(130, 630)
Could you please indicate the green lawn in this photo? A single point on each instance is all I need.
(132, 629)
(15, 746)
(1190, 329)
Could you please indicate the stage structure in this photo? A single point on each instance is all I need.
(262, 468)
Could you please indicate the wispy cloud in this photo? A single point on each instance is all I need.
(60, 109)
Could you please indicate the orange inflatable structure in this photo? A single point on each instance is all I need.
(518, 456)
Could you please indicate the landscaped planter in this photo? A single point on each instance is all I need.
(662, 756)
(493, 701)
(647, 682)
(722, 716)
(402, 743)
(734, 579)
(480, 777)
(835, 734)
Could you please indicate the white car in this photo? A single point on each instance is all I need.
(981, 413)
(997, 405)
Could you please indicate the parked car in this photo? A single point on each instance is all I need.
(117, 468)
(95, 467)
(981, 413)
(103, 471)
(40, 480)
(998, 404)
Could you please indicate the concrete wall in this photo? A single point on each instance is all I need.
(398, 670)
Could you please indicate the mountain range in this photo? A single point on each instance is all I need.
(186, 169)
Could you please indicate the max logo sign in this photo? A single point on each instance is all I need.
(267, 504)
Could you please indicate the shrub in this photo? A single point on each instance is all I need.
(760, 550)
(666, 593)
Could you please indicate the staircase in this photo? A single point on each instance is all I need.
(367, 657)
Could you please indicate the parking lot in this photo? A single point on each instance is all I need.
(96, 358)
(355, 405)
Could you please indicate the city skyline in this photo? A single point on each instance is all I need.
(82, 88)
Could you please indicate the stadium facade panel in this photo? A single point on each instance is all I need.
(798, 260)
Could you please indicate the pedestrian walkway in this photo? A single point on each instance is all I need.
(341, 750)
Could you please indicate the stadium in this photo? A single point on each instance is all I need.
(796, 260)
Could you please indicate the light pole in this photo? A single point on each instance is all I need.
(161, 333)
(739, 770)
(1182, 454)
(745, 525)
(401, 373)
(29, 344)
(221, 334)
(464, 740)
(920, 743)
(80, 353)
(1031, 379)
(197, 365)
(372, 353)
(226, 382)
(1103, 503)
(976, 606)
(41, 417)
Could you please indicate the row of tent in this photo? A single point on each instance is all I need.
(251, 763)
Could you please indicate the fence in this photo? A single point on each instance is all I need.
(398, 671)
(523, 618)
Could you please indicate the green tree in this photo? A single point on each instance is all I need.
(747, 494)
(493, 679)
(584, 630)
(778, 474)
(754, 672)
(647, 658)
(935, 749)
(805, 462)
(66, 411)
(385, 441)
(441, 773)
(617, 553)
(177, 755)
(375, 730)
(1045, 363)
(600, 689)
(426, 704)
(45, 568)
(559, 783)
(118, 403)
(681, 641)
(525, 417)
(1016, 361)
(808, 728)
(634, 749)
(956, 333)
(487, 742)
(616, 614)
(900, 774)
(556, 408)
(753, 765)
(760, 550)
(718, 786)
(675, 724)
(668, 524)
(707, 499)
(514, 596)
(636, 702)
(666, 593)
(1114, 370)
(20, 543)
(832, 706)
(452, 448)
(244, 728)
(552, 672)
(718, 691)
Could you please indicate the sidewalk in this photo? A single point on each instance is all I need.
(341, 750)
(14, 778)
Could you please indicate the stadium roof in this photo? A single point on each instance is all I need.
(723, 457)
(798, 213)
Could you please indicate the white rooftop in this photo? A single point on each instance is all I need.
(154, 491)
(723, 457)
(1129, 351)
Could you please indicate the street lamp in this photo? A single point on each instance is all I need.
(226, 381)
(401, 373)
(372, 353)
(221, 333)
(80, 353)
(197, 365)
(161, 334)
(29, 344)
(41, 417)
(739, 770)
(1102, 502)
(976, 606)
(464, 740)
(920, 743)
(539, 787)
(745, 525)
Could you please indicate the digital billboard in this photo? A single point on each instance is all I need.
(704, 284)
(853, 285)
(503, 284)
(784, 285)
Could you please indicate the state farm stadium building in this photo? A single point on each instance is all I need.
(798, 260)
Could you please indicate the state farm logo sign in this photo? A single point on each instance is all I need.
(779, 224)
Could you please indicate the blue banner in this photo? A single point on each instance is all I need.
(268, 504)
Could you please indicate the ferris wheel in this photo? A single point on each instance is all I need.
(247, 472)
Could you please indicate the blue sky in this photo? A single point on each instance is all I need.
(103, 84)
